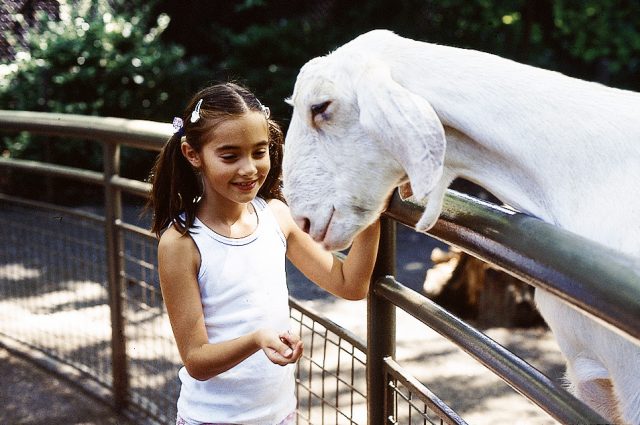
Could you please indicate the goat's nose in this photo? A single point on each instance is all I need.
(303, 223)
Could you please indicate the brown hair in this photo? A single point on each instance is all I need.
(176, 186)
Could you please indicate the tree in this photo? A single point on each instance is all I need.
(95, 59)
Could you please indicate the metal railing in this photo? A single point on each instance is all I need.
(113, 265)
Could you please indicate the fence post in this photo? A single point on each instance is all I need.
(381, 329)
(115, 275)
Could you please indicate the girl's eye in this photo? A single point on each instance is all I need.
(260, 153)
(228, 157)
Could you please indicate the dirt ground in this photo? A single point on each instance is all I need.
(28, 394)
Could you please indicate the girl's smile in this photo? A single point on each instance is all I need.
(246, 186)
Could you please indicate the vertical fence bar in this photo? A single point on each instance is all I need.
(115, 273)
(381, 329)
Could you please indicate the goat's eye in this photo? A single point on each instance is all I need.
(319, 108)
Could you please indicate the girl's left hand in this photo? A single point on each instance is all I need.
(294, 343)
(281, 348)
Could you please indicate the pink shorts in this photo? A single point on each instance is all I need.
(289, 420)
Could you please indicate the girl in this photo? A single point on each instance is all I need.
(224, 232)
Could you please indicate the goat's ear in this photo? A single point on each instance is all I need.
(406, 126)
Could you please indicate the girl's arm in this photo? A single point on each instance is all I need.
(178, 264)
(347, 279)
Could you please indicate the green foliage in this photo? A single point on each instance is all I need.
(94, 60)
(259, 43)
(263, 43)
(603, 37)
(267, 58)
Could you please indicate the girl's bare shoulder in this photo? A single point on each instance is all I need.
(175, 245)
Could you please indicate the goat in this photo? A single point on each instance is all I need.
(382, 111)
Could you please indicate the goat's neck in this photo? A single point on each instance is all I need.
(469, 160)
(527, 132)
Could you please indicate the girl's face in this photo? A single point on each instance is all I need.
(235, 160)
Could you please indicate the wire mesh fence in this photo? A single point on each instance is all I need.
(153, 360)
(413, 403)
(331, 383)
(53, 291)
(54, 299)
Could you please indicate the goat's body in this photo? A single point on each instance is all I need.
(561, 149)
(582, 175)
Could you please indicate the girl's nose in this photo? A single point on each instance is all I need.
(248, 168)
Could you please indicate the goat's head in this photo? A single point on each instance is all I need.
(355, 135)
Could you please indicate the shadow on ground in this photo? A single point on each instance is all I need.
(30, 395)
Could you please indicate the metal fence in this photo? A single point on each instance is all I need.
(81, 287)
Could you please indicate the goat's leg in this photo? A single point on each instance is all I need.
(603, 368)
(626, 383)
(610, 385)
(599, 395)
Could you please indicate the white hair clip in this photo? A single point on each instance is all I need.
(195, 115)
(265, 110)
(178, 126)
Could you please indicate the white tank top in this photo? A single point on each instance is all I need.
(243, 288)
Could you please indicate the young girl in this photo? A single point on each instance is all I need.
(224, 233)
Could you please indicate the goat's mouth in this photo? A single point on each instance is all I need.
(321, 233)
(337, 234)
(333, 230)
(326, 231)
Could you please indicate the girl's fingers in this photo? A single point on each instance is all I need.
(283, 350)
(294, 342)
(286, 349)
(297, 351)
(278, 358)
(289, 338)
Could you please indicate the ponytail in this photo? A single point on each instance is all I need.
(175, 189)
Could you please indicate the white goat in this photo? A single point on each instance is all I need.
(380, 110)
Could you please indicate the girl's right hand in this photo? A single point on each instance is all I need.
(281, 349)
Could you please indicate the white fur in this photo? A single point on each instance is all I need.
(559, 148)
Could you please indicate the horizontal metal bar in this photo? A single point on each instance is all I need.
(134, 187)
(521, 376)
(142, 134)
(131, 186)
(139, 231)
(79, 174)
(597, 279)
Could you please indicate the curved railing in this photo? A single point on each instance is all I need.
(593, 278)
